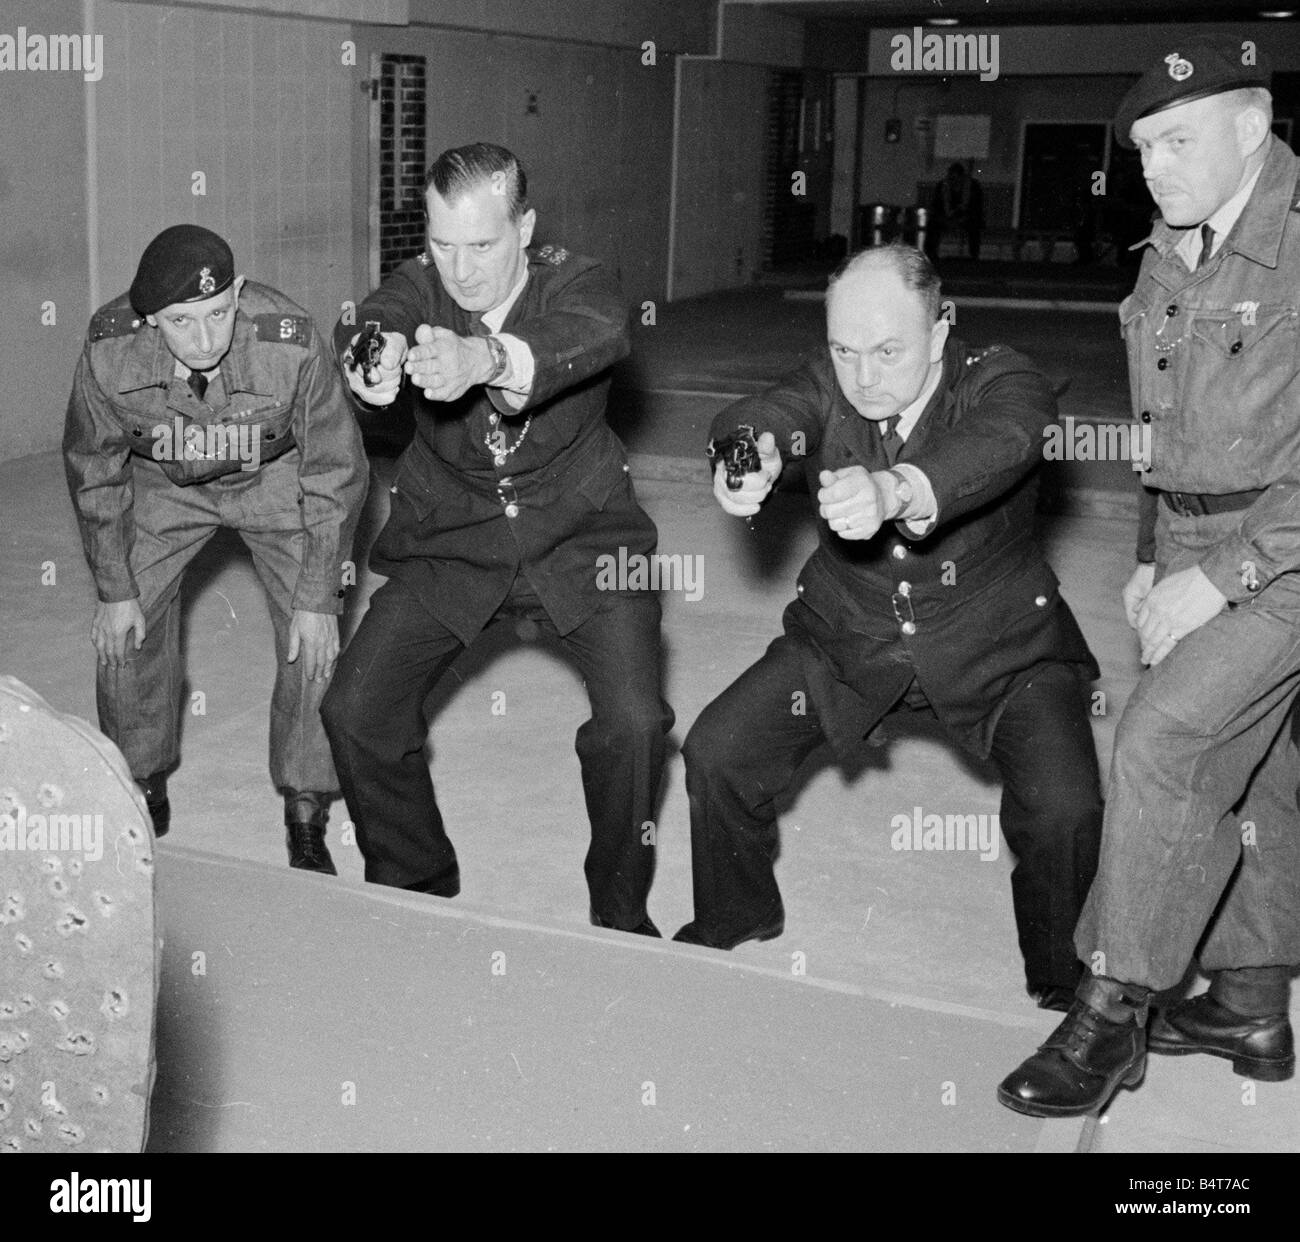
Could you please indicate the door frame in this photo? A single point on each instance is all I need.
(1106, 123)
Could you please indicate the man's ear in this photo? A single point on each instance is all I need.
(151, 320)
(1252, 130)
(237, 286)
(527, 222)
(939, 337)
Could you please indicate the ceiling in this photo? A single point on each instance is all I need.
(868, 13)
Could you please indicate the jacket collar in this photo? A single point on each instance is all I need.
(1257, 235)
(150, 364)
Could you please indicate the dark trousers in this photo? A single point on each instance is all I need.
(374, 716)
(745, 748)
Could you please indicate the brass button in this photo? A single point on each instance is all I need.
(899, 551)
(1163, 364)
(905, 588)
(909, 627)
(512, 511)
(1041, 601)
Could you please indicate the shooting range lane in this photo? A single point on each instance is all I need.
(330, 1015)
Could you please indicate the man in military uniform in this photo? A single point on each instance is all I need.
(511, 491)
(201, 400)
(927, 592)
(1201, 841)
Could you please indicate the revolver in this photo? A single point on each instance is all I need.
(739, 455)
(365, 353)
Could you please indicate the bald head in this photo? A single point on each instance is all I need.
(883, 330)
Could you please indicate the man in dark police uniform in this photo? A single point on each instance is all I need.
(512, 490)
(1201, 842)
(927, 592)
(204, 400)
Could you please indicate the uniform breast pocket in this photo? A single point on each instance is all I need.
(1015, 607)
(607, 481)
(411, 492)
(272, 426)
(1242, 360)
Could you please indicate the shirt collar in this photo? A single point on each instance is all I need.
(908, 418)
(1189, 247)
(493, 319)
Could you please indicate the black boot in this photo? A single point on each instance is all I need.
(154, 789)
(1243, 1017)
(1100, 1045)
(305, 816)
(645, 927)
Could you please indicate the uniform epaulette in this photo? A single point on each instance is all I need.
(978, 355)
(283, 329)
(118, 321)
(554, 255)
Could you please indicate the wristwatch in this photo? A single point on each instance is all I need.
(903, 491)
(500, 359)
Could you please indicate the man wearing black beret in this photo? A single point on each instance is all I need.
(201, 400)
(1201, 838)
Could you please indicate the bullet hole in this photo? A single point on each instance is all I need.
(144, 866)
(100, 1093)
(7, 1083)
(9, 801)
(59, 1010)
(49, 796)
(80, 1044)
(14, 909)
(73, 921)
(70, 1133)
(74, 868)
(53, 969)
(51, 865)
(23, 941)
(105, 903)
(26, 1003)
(33, 1127)
(57, 886)
(115, 1003)
(10, 1144)
(8, 1010)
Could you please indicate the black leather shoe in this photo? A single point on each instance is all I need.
(445, 884)
(305, 816)
(1052, 996)
(645, 927)
(154, 789)
(1261, 1048)
(691, 934)
(1100, 1046)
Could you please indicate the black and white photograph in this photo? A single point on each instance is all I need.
(650, 576)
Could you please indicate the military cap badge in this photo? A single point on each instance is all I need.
(1179, 69)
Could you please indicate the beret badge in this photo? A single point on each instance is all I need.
(1179, 69)
(206, 284)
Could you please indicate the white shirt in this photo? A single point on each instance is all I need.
(1189, 245)
(517, 382)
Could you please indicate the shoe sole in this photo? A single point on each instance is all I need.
(79, 954)
(1131, 1080)
(1247, 1067)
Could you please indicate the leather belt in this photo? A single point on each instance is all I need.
(1192, 504)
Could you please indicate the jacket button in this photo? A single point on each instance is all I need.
(1146, 416)
(899, 551)
(1235, 347)
(1041, 601)
(135, 431)
(799, 589)
(1163, 364)
(1171, 311)
(909, 627)
(905, 588)
(512, 511)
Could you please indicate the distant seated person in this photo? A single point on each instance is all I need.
(956, 206)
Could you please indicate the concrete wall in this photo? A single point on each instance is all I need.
(43, 243)
(597, 150)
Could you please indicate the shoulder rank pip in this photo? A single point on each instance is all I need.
(119, 321)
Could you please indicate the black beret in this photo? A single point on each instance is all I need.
(184, 263)
(1191, 69)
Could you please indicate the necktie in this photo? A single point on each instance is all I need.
(477, 327)
(1207, 245)
(889, 436)
(198, 383)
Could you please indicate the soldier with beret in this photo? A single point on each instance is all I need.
(927, 593)
(201, 400)
(512, 491)
(1201, 840)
